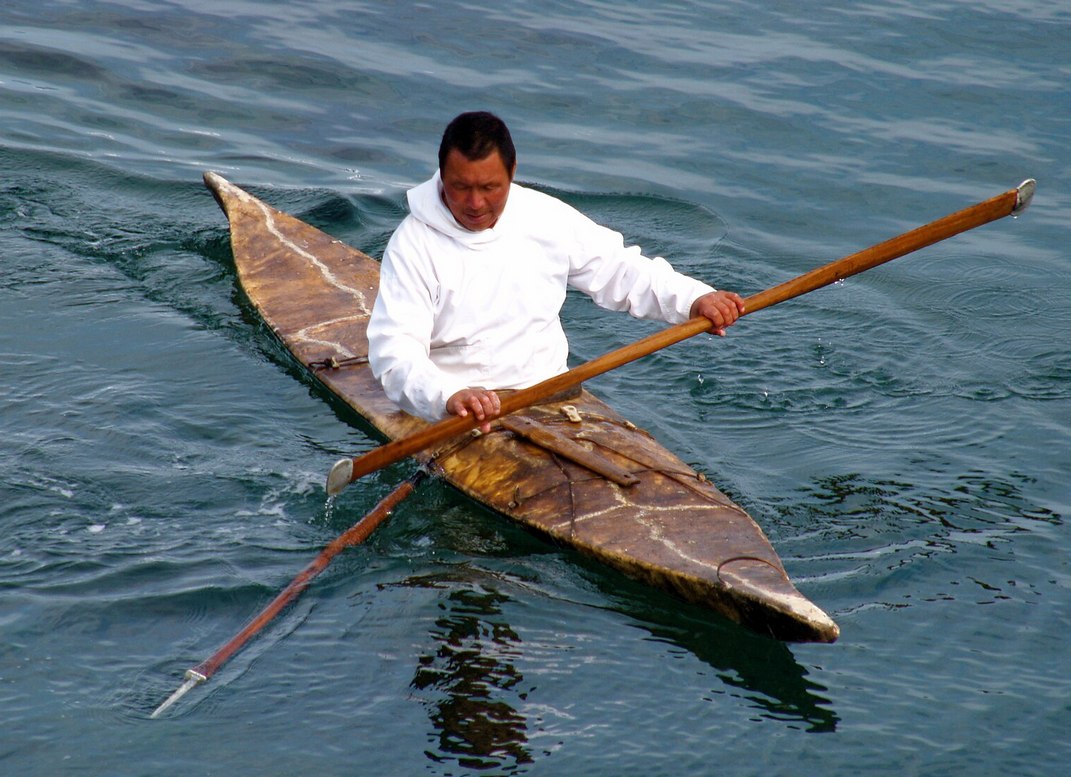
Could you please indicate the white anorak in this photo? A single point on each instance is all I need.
(459, 309)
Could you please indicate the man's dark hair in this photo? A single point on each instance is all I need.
(476, 135)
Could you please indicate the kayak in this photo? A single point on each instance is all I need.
(571, 469)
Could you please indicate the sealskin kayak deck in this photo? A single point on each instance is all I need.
(571, 469)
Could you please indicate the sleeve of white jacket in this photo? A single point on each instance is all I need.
(620, 277)
(399, 332)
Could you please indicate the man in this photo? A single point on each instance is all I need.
(473, 281)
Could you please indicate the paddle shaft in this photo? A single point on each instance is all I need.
(355, 535)
(976, 215)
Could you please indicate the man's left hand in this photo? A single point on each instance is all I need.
(721, 307)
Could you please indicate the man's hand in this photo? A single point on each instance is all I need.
(483, 404)
(721, 307)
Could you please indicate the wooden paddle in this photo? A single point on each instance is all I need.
(355, 535)
(1013, 201)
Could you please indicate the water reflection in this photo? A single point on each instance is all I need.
(468, 680)
(471, 681)
(764, 671)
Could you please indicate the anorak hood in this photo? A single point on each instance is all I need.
(426, 205)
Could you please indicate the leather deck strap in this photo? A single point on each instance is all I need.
(556, 442)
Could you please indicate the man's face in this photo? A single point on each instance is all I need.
(475, 191)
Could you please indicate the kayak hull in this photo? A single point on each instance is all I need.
(571, 469)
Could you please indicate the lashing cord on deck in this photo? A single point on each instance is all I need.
(333, 363)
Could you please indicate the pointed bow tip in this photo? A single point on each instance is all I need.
(214, 181)
(225, 192)
(769, 603)
(826, 629)
(807, 621)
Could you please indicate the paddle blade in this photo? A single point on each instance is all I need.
(340, 476)
(193, 679)
(1025, 192)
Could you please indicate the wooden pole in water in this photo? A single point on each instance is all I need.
(1011, 202)
(355, 535)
